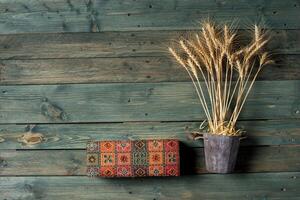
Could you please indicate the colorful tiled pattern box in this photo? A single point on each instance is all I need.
(138, 158)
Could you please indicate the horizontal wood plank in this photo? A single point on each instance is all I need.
(116, 44)
(135, 102)
(209, 186)
(19, 6)
(75, 136)
(99, 15)
(130, 69)
(73, 162)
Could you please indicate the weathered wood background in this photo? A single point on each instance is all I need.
(75, 70)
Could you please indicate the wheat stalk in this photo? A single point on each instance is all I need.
(212, 55)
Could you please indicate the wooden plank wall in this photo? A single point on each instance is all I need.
(75, 70)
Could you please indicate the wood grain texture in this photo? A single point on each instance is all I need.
(237, 186)
(79, 70)
(129, 69)
(72, 162)
(116, 44)
(135, 102)
(99, 15)
(19, 6)
(75, 136)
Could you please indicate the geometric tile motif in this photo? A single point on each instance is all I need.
(92, 171)
(156, 170)
(107, 159)
(92, 159)
(171, 170)
(123, 159)
(124, 146)
(171, 145)
(140, 170)
(92, 146)
(107, 146)
(139, 158)
(171, 157)
(124, 171)
(107, 171)
(139, 145)
(156, 158)
(155, 145)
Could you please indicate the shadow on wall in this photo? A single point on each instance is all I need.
(188, 160)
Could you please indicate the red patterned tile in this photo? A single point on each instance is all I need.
(172, 158)
(108, 171)
(123, 158)
(156, 170)
(172, 170)
(155, 145)
(107, 146)
(171, 145)
(107, 159)
(123, 146)
(155, 158)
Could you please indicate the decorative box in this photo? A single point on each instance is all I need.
(133, 158)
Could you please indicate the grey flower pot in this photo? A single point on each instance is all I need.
(220, 152)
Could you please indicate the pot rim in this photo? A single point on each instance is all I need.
(216, 135)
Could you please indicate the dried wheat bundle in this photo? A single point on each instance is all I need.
(214, 53)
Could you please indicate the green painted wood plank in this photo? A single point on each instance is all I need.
(210, 186)
(135, 102)
(19, 6)
(115, 44)
(130, 69)
(74, 136)
(93, 70)
(99, 15)
(72, 162)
